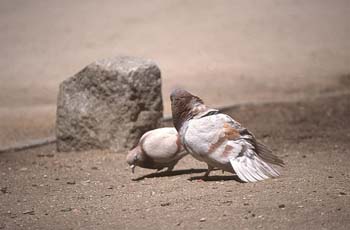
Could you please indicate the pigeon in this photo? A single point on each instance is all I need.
(157, 149)
(220, 141)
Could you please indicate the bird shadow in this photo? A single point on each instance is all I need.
(170, 173)
(216, 178)
(193, 178)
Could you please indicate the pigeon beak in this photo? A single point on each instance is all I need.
(132, 168)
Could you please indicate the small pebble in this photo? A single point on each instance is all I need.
(282, 206)
(4, 190)
(202, 220)
(227, 202)
(45, 155)
(165, 204)
(66, 210)
(71, 182)
(29, 212)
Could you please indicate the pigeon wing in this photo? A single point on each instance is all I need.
(255, 161)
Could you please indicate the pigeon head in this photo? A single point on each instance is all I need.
(184, 106)
(134, 157)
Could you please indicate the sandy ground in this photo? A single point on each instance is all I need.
(227, 51)
(43, 189)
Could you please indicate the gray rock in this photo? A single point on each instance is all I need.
(109, 105)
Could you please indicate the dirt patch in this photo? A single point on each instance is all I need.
(43, 189)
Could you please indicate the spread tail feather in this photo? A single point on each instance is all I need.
(250, 167)
(266, 154)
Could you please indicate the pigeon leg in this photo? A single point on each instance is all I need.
(210, 168)
(159, 169)
(170, 168)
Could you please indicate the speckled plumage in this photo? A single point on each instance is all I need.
(220, 141)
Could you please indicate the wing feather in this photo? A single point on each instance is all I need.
(256, 174)
(266, 154)
(236, 166)
(251, 168)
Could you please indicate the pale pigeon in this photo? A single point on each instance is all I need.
(220, 141)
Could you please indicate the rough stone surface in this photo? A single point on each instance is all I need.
(109, 105)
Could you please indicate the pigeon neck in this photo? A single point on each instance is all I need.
(197, 111)
(180, 119)
(185, 108)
